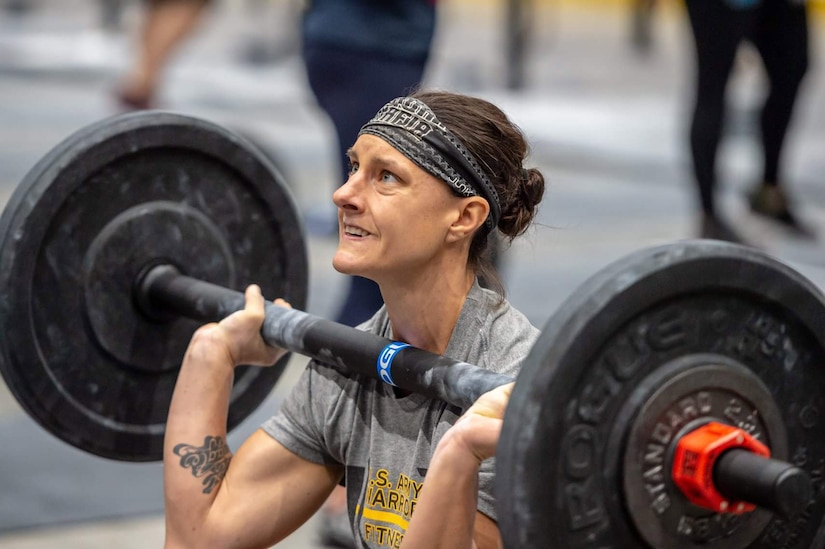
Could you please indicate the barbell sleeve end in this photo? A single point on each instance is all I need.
(772, 484)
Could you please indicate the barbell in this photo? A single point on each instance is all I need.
(674, 400)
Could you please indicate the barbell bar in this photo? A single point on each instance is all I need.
(163, 289)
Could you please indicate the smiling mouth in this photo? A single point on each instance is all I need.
(354, 231)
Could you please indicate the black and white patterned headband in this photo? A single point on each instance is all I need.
(410, 126)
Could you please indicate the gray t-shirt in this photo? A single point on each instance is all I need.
(385, 439)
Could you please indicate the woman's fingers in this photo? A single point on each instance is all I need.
(479, 427)
(281, 303)
(254, 300)
(243, 331)
(493, 403)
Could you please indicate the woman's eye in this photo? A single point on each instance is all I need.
(353, 167)
(388, 177)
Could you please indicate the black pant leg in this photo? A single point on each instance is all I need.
(717, 31)
(781, 37)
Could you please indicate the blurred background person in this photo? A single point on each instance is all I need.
(641, 25)
(166, 24)
(778, 30)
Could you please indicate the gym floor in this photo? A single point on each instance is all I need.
(608, 126)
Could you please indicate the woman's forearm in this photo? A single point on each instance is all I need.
(195, 454)
(446, 510)
(446, 515)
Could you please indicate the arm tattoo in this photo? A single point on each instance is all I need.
(209, 461)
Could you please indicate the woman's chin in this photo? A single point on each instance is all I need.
(344, 266)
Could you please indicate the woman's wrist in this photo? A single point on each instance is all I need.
(453, 447)
(209, 345)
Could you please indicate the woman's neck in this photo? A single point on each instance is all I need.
(424, 312)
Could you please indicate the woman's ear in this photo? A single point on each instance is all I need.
(472, 213)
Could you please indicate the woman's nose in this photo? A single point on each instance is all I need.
(347, 195)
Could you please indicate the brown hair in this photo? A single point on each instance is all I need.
(500, 148)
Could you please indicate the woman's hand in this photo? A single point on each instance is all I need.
(239, 334)
(446, 514)
(479, 428)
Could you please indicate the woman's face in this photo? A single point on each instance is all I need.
(393, 216)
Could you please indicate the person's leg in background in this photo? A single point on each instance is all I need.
(350, 87)
(718, 28)
(641, 25)
(781, 37)
(166, 24)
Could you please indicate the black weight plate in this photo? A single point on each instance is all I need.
(133, 190)
(559, 463)
(671, 401)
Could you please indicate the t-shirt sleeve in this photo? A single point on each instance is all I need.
(511, 340)
(298, 425)
(486, 480)
(315, 420)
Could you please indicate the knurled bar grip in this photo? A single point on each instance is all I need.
(163, 289)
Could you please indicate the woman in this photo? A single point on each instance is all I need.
(432, 175)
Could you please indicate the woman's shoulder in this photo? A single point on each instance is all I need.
(499, 313)
(491, 333)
